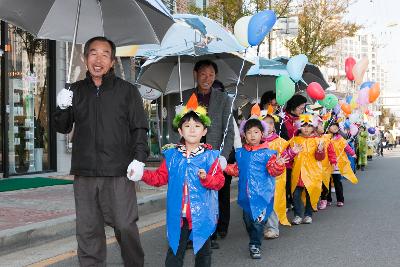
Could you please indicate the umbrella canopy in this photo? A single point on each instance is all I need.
(123, 21)
(162, 73)
(194, 35)
(314, 74)
(262, 76)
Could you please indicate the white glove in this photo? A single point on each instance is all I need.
(137, 167)
(64, 98)
(222, 162)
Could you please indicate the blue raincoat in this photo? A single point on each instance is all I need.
(256, 185)
(203, 201)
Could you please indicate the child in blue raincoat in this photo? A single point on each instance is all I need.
(256, 167)
(193, 174)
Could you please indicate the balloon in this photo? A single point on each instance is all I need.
(347, 124)
(295, 67)
(241, 30)
(314, 90)
(359, 70)
(353, 103)
(346, 108)
(353, 129)
(260, 25)
(371, 130)
(348, 99)
(330, 101)
(366, 85)
(285, 89)
(374, 92)
(363, 97)
(354, 118)
(349, 64)
(336, 109)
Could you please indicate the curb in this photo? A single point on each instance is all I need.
(39, 233)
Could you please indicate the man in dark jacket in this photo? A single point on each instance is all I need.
(110, 139)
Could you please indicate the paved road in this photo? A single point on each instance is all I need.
(365, 232)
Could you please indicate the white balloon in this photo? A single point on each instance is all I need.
(148, 93)
(241, 29)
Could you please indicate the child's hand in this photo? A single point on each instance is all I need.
(282, 160)
(354, 156)
(297, 148)
(202, 174)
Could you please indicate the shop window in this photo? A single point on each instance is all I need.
(27, 103)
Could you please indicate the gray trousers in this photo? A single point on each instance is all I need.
(111, 201)
(273, 223)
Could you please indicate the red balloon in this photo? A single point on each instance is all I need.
(315, 90)
(348, 67)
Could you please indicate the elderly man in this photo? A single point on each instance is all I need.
(218, 105)
(110, 139)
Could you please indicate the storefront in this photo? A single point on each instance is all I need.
(27, 76)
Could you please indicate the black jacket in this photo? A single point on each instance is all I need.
(110, 126)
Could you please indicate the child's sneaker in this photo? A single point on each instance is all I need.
(322, 204)
(255, 252)
(340, 204)
(307, 220)
(269, 234)
(297, 220)
(329, 203)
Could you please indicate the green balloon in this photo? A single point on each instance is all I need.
(330, 101)
(285, 89)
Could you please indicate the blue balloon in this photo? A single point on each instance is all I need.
(347, 124)
(366, 85)
(260, 25)
(371, 130)
(348, 99)
(295, 67)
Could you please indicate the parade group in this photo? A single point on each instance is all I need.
(288, 159)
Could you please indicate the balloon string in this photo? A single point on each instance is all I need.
(231, 111)
(282, 120)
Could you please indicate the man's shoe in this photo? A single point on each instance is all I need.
(340, 204)
(255, 252)
(214, 244)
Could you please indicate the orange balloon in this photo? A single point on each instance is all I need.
(346, 108)
(374, 92)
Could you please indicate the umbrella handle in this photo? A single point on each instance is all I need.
(78, 11)
(231, 111)
(180, 79)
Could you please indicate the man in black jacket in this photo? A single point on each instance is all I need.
(110, 139)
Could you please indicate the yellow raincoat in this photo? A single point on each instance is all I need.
(279, 144)
(306, 166)
(327, 168)
(343, 161)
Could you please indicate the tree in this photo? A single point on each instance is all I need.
(321, 25)
(32, 46)
(229, 11)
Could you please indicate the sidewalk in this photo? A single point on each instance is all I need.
(34, 216)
